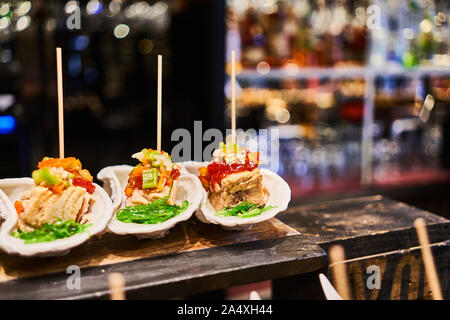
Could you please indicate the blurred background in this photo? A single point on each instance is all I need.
(359, 89)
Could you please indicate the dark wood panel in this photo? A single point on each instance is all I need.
(366, 225)
(401, 274)
(110, 248)
(180, 274)
(374, 231)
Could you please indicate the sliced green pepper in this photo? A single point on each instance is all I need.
(37, 176)
(158, 159)
(149, 178)
(232, 148)
(146, 154)
(48, 177)
(151, 156)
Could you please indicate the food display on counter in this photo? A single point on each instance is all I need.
(238, 194)
(233, 177)
(151, 197)
(55, 210)
(62, 192)
(151, 189)
(155, 177)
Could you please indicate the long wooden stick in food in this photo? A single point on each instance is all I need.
(159, 103)
(233, 97)
(116, 284)
(60, 101)
(430, 268)
(337, 258)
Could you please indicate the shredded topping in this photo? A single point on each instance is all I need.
(155, 171)
(58, 174)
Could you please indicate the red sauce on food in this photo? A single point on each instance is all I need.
(175, 174)
(216, 171)
(90, 188)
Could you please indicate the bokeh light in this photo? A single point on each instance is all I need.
(23, 23)
(121, 31)
(263, 68)
(145, 46)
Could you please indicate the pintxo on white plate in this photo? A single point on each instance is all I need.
(152, 197)
(238, 194)
(56, 210)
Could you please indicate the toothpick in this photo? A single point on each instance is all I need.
(337, 256)
(159, 102)
(233, 97)
(60, 101)
(430, 268)
(116, 284)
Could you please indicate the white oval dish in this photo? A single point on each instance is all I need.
(115, 179)
(192, 168)
(11, 190)
(279, 196)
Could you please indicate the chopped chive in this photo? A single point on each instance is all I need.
(51, 231)
(156, 212)
(243, 210)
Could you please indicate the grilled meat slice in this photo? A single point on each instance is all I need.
(43, 206)
(239, 187)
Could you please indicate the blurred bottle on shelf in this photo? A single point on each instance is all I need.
(343, 33)
(441, 36)
(338, 25)
(356, 36)
(279, 35)
(253, 38)
(425, 37)
(321, 37)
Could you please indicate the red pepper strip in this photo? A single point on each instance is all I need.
(90, 188)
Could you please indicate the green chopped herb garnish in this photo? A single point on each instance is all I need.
(156, 212)
(243, 210)
(51, 231)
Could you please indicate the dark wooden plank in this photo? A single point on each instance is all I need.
(366, 225)
(401, 274)
(110, 248)
(377, 232)
(180, 274)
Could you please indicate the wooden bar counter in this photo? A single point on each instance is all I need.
(383, 257)
(382, 254)
(194, 258)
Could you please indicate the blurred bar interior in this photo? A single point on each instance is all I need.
(359, 89)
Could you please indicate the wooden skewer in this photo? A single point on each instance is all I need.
(116, 285)
(337, 256)
(430, 268)
(60, 101)
(159, 102)
(254, 296)
(233, 97)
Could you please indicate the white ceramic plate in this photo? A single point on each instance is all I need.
(279, 196)
(12, 189)
(115, 179)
